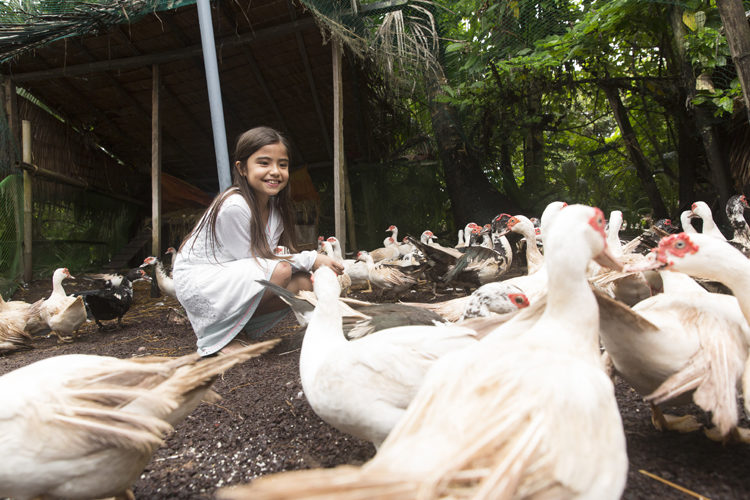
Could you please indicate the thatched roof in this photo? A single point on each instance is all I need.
(94, 65)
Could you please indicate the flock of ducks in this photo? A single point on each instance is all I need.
(505, 392)
(62, 314)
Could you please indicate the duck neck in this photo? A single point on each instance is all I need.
(323, 332)
(337, 249)
(534, 258)
(571, 307)
(734, 272)
(57, 286)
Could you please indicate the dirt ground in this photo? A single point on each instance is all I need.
(263, 424)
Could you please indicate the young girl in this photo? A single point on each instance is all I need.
(218, 263)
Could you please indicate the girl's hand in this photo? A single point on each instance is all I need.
(324, 260)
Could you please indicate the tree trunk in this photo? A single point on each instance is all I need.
(737, 31)
(642, 166)
(473, 197)
(533, 152)
(509, 180)
(716, 160)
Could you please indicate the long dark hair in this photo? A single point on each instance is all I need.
(247, 144)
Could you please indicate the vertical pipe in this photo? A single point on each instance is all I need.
(27, 219)
(214, 93)
(338, 147)
(156, 162)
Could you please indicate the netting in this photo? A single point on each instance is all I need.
(11, 233)
(74, 227)
(28, 24)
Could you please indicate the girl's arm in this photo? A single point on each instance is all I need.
(303, 261)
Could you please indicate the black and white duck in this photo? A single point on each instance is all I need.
(112, 300)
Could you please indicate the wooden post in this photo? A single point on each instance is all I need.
(28, 230)
(338, 147)
(155, 165)
(350, 228)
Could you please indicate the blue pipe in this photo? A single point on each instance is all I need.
(214, 93)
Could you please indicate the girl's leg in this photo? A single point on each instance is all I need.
(300, 281)
(282, 276)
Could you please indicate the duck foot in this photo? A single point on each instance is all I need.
(107, 328)
(60, 338)
(666, 422)
(736, 435)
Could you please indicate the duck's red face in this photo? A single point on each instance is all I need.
(331, 239)
(598, 222)
(512, 222)
(693, 206)
(743, 200)
(519, 300)
(676, 245)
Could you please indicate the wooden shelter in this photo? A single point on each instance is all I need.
(130, 78)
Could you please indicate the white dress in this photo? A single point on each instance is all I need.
(217, 286)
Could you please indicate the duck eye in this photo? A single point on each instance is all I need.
(679, 244)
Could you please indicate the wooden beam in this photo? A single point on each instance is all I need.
(339, 178)
(163, 57)
(155, 163)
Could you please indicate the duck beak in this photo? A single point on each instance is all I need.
(606, 259)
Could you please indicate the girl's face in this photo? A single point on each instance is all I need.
(266, 170)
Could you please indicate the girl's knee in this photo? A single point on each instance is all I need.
(282, 273)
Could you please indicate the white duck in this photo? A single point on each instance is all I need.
(388, 252)
(678, 346)
(363, 387)
(355, 269)
(493, 298)
(165, 282)
(700, 209)
(427, 237)
(522, 225)
(85, 426)
(63, 314)
(464, 235)
(384, 278)
(531, 417)
(13, 333)
(534, 285)
(686, 223)
(701, 256)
